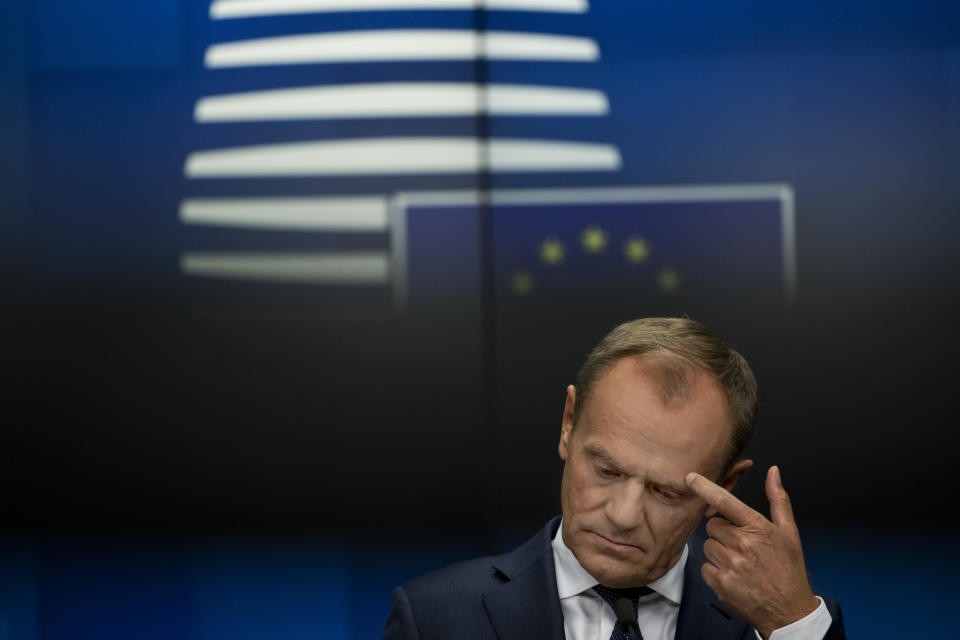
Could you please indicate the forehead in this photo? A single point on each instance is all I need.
(627, 416)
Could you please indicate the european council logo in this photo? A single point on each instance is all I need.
(329, 117)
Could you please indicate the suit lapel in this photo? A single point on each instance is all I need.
(526, 606)
(702, 616)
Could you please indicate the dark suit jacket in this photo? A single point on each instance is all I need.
(514, 597)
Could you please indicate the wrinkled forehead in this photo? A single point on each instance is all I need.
(665, 399)
(671, 376)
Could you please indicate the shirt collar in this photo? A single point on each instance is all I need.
(573, 579)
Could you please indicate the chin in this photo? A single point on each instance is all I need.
(617, 574)
(621, 580)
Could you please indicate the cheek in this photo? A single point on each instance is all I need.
(581, 493)
(672, 522)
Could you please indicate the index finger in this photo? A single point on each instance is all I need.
(722, 500)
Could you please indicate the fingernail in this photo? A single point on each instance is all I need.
(690, 477)
(779, 479)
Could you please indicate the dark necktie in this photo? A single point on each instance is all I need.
(610, 596)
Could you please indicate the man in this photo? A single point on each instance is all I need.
(651, 438)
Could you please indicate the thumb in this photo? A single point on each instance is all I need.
(781, 511)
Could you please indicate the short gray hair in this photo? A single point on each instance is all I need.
(674, 349)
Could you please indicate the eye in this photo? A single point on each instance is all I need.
(606, 472)
(667, 495)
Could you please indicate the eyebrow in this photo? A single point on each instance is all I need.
(680, 489)
(600, 452)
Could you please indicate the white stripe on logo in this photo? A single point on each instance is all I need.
(308, 268)
(221, 9)
(400, 44)
(405, 156)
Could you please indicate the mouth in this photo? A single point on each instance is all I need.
(614, 545)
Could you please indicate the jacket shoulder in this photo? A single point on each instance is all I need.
(469, 578)
(473, 577)
(446, 603)
(449, 602)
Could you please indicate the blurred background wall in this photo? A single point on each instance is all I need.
(291, 297)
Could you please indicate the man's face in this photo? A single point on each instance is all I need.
(626, 510)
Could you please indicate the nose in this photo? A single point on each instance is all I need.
(624, 508)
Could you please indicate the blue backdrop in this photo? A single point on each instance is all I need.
(257, 429)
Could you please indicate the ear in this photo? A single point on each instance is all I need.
(566, 424)
(730, 480)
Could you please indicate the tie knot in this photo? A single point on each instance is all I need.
(632, 594)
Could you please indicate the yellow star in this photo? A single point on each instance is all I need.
(552, 251)
(521, 282)
(668, 279)
(594, 239)
(636, 250)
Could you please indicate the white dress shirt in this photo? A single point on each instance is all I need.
(587, 617)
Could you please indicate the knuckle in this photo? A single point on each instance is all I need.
(742, 562)
(743, 544)
(722, 581)
(710, 547)
(713, 526)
